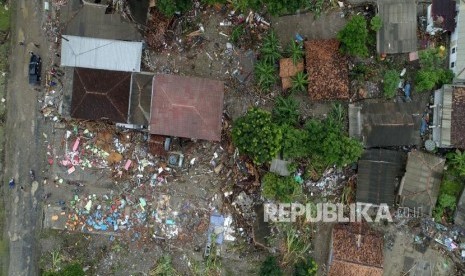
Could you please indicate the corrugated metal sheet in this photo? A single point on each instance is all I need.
(355, 121)
(457, 134)
(378, 175)
(446, 118)
(398, 33)
(460, 30)
(103, 54)
(420, 185)
(141, 98)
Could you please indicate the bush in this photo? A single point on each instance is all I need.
(286, 111)
(376, 23)
(296, 51)
(255, 135)
(299, 82)
(306, 268)
(279, 188)
(73, 269)
(265, 74)
(169, 7)
(294, 142)
(390, 84)
(353, 37)
(270, 267)
(432, 73)
(270, 51)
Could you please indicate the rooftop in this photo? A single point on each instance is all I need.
(444, 13)
(379, 172)
(356, 250)
(141, 98)
(105, 54)
(458, 118)
(420, 184)
(327, 70)
(187, 107)
(386, 124)
(458, 38)
(92, 21)
(398, 33)
(100, 94)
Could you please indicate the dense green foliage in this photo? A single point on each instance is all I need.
(306, 268)
(299, 82)
(390, 83)
(286, 111)
(73, 269)
(294, 142)
(257, 136)
(270, 267)
(456, 162)
(376, 23)
(265, 74)
(295, 51)
(353, 37)
(280, 188)
(270, 51)
(433, 72)
(169, 7)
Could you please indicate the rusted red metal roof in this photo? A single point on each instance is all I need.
(444, 13)
(100, 94)
(187, 107)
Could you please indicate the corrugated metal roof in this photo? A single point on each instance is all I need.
(420, 184)
(141, 98)
(388, 124)
(398, 33)
(378, 174)
(187, 107)
(355, 121)
(106, 54)
(458, 117)
(459, 68)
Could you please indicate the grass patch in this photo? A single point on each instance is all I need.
(4, 18)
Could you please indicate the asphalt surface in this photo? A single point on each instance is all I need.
(22, 147)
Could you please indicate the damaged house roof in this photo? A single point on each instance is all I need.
(96, 53)
(449, 116)
(141, 98)
(398, 33)
(419, 188)
(187, 107)
(100, 94)
(444, 13)
(92, 21)
(386, 124)
(356, 250)
(379, 172)
(327, 70)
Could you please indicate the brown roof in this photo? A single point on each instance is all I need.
(100, 94)
(339, 268)
(327, 70)
(358, 245)
(187, 107)
(445, 9)
(458, 118)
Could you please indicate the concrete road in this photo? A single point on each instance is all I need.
(22, 148)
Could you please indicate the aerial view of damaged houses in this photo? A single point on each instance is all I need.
(232, 137)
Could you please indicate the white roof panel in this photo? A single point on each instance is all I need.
(105, 54)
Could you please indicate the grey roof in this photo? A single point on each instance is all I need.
(95, 53)
(398, 33)
(91, 21)
(378, 174)
(459, 216)
(385, 124)
(140, 99)
(459, 68)
(420, 185)
(442, 116)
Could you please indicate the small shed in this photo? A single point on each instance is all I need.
(419, 188)
(398, 33)
(356, 250)
(187, 107)
(100, 94)
(105, 54)
(379, 173)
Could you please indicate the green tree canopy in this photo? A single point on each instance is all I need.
(286, 111)
(257, 136)
(353, 37)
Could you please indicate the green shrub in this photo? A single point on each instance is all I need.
(306, 268)
(270, 267)
(376, 23)
(390, 83)
(286, 111)
(280, 188)
(353, 37)
(294, 142)
(270, 51)
(73, 269)
(237, 32)
(254, 134)
(169, 7)
(299, 82)
(296, 51)
(265, 74)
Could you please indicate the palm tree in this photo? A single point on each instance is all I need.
(270, 49)
(299, 82)
(295, 51)
(265, 74)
